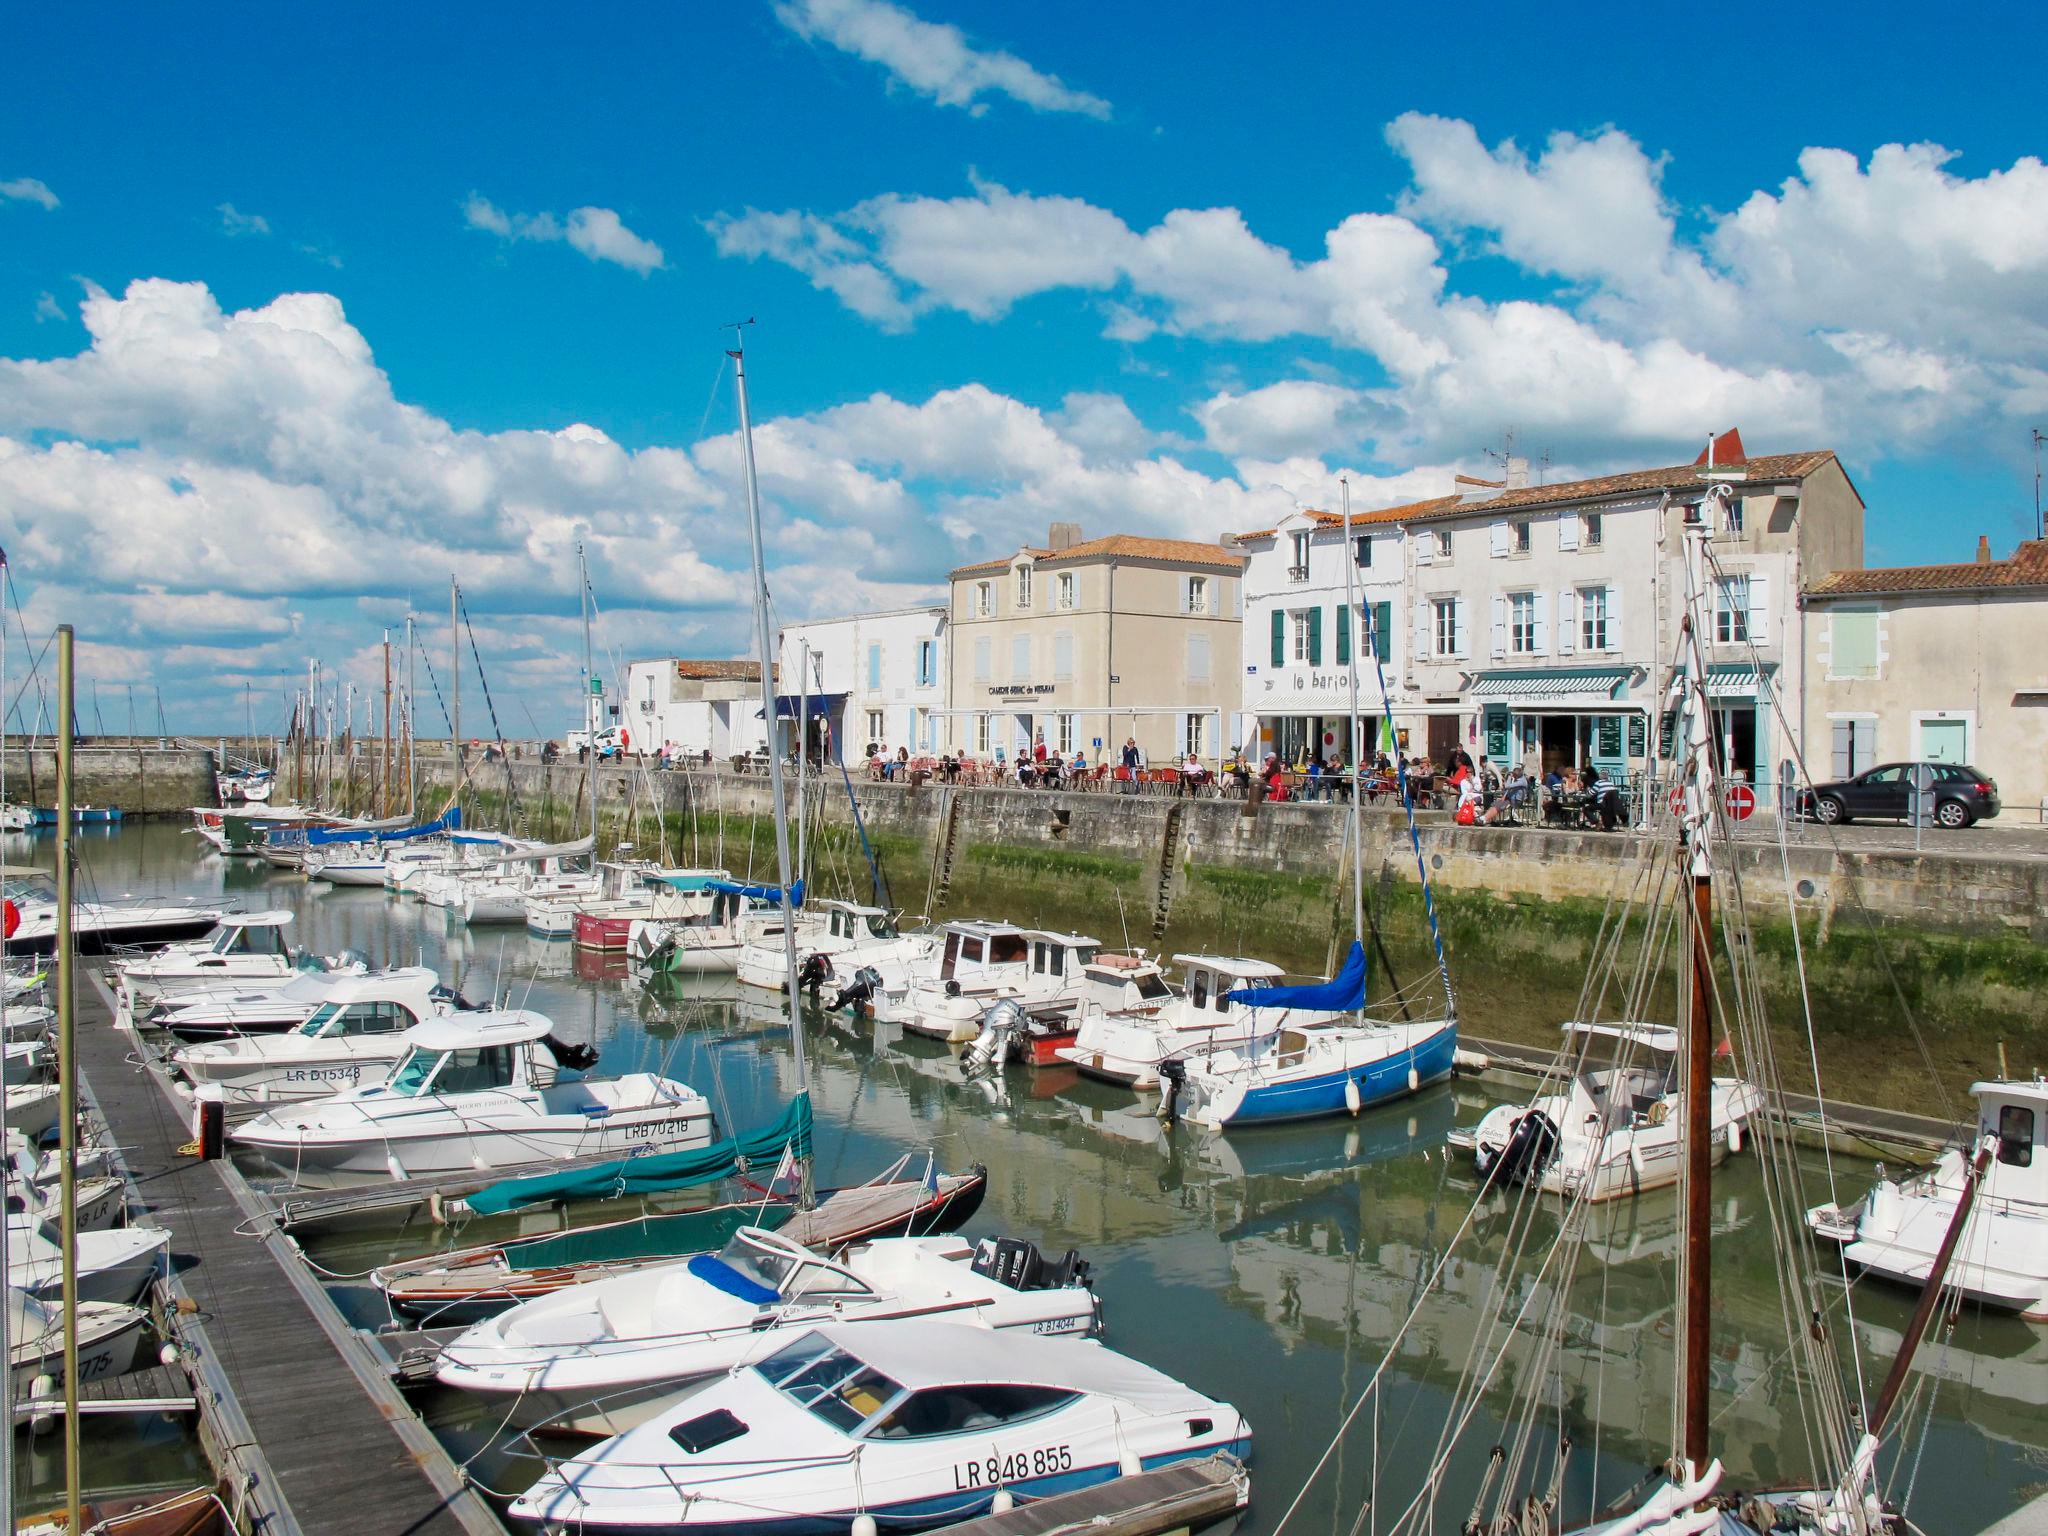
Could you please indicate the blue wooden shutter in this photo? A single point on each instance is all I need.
(1315, 637)
(1279, 637)
(1343, 634)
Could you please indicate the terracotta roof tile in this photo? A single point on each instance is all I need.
(1782, 466)
(1378, 517)
(990, 567)
(1122, 546)
(719, 671)
(2027, 568)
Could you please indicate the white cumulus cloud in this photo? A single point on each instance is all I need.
(931, 58)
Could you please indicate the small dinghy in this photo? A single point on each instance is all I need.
(909, 1424)
(604, 1357)
(474, 1092)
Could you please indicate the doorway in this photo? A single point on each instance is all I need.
(1443, 738)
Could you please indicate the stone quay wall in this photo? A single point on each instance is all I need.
(142, 780)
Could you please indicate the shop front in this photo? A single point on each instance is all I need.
(1550, 719)
(1296, 729)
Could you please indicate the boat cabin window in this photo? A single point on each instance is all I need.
(1008, 948)
(819, 1280)
(761, 1265)
(956, 1410)
(1198, 989)
(332, 1021)
(970, 951)
(1151, 985)
(1045, 960)
(263, 941)
(2016, 1135)
(469, 1071)
(839, 1389)
(880, 927)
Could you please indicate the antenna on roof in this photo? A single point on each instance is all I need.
(2040, 527)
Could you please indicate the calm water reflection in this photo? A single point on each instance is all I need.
(1270, 1268)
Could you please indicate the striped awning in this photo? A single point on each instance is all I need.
(1277, 704)
(1736, 679)
(1560, 690)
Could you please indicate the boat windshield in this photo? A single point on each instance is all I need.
(843, 1391)
(758, 1264)
(410, 1080)
(27, 888)
(318, 1020)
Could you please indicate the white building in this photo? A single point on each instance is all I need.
(693, 707)
(880, 678)
(1300, 638)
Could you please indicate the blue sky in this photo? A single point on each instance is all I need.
(294, 319)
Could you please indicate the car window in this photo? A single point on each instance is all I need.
(1953, 773)
(1891, 775)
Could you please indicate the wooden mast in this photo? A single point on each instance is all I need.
(384, 748)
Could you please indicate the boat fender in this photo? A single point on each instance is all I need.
(1352, 1101)
(1414, 1080)
(1734, 1136)
(1129, 1463)
(1003, 1502)
(863, 1525)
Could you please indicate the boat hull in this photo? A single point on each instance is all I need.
(1317, 1095)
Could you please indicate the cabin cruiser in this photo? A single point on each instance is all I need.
(474, 1092)
(238, 832)
(499, 891)
(114, 1264)
(1037, 1034)
(1326, 1066)
(1127, 1047)
(110, 1340)
(1049, 970)
(97, 926)
(1614, 1130)
(246, 951)
(902, 1427)
(604, 1357)
(847, 937)
(2001, 1258)
(652, 893)
(710, 943)
(225, 1016)
(351, 1036)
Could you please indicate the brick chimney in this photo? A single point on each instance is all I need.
(1517, 472)
(1062, 536)
(1983, 549)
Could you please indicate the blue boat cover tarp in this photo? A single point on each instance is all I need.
(721, 1276)
(816, 706)
(759, 1150)
(321, 836)
(1342, 993)
(758, 892)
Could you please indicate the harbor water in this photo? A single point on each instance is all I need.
(1274, 1269)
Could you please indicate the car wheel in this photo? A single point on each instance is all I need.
(1953, 813)
(1828, 809)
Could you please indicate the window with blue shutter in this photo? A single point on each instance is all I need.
(1382, 631)
(1315, 637)
(1343, 634)
(1279, 637)
(874, 666)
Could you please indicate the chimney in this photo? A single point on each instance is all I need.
(1062, 536)
(1983, 549)
(1518, 472)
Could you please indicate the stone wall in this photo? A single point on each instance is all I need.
(141, 780)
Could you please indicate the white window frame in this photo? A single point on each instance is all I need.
(1443, 543)
(1731, 617)
(1521, 538)
(1298, 545)
(1443, 626)
(1591, 530)
(984, 599)
(1023, 587)
(1522, 623)
(1194, 735)
(878, 726)
(1064, 588)
(1066, 735)
(1593, 628)
(1297, 629)
(981, 729)
(1198, 594)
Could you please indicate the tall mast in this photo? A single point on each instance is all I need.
(455, 688)
(6, 1343)
(803, 754)
(1696, 1288)
(412, 769)
(589, 694)
(384, 748)
(1356, 627)
(762, 650)
(67, 1077)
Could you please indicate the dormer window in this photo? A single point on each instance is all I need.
(1297, 568)
(1023, 586)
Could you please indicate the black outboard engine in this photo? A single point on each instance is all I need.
(568, 1054)
(859, 992)
(812, 973)
(1173, 1077)
(1531, 1148)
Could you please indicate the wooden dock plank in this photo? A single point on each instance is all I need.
(341, 1465)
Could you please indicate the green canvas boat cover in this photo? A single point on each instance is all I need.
(756, 1151)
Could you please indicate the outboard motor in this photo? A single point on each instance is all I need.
(1173, 1078)
(1000, 1023)
(812, 973)
(555, 1055)
(859, 992)
(1531, 1148)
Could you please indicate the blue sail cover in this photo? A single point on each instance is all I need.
(1342, 993)
(320, 836)
(757, 892)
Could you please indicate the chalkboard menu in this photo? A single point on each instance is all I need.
(1497, 734)
(1638, 735)
(1607, 737)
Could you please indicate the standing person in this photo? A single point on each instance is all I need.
(1133, 762)
(1038, 748)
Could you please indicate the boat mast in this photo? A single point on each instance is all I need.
(762, 651)
(67, 1077)
(1696, 1288)
(412, 760)
(455, 689)
(589, 711)
(1354, 627)
(6, 1342)
(384, 748)
(803, 753)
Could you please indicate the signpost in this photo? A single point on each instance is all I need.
(1739, 801)
(1920, 802)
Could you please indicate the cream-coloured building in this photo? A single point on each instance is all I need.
(1093, 641)
(1934, 663)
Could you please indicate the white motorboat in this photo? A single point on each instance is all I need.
(31, 1108)
(497, 891)
(903, 1426)
(17, 818)
(709, 944)
(227, 1016)
(2001, 1258)
(1127, 1046)
(246, 951)
(1033, 968)
(848, 937)
(654, 893)
(110, 1340)
(1614, 1130)
(353, 1036)
(237, 831)
(98, 1201)
(27, 1061)
(97, 926)
(114, 1265)
(604, 1357)
(478, 1091)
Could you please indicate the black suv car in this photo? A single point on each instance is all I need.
(1962, 795)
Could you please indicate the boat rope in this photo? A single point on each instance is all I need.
(1436, 937)
(490, 704)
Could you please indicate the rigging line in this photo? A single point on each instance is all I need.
(491, 704)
